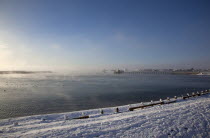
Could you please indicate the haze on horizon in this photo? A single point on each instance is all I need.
(96, 34)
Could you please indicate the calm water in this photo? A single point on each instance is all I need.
(22, 95)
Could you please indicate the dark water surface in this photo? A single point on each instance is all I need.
(22, 95)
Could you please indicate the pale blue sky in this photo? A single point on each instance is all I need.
(96, 34)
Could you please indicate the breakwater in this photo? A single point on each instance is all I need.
(133, 107)
(157, 72)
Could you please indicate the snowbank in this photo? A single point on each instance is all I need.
(185, 118)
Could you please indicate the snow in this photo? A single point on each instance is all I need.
(184, 118)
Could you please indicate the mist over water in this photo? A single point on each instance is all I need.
(31, 94)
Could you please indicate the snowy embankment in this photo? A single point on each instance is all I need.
(185, 118)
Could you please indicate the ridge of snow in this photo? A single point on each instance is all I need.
(185, 118)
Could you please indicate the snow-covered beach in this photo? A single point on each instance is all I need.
(185, 118)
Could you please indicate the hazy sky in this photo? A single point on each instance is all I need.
(95, 34)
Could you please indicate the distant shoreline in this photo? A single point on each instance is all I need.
(23, 72)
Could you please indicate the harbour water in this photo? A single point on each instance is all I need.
(32, 94)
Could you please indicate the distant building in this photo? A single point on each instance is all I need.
(118, 71)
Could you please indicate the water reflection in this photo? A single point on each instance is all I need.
(22, 95)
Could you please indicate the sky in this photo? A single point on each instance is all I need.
(97, 34)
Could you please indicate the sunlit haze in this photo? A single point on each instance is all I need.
(104, 34)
